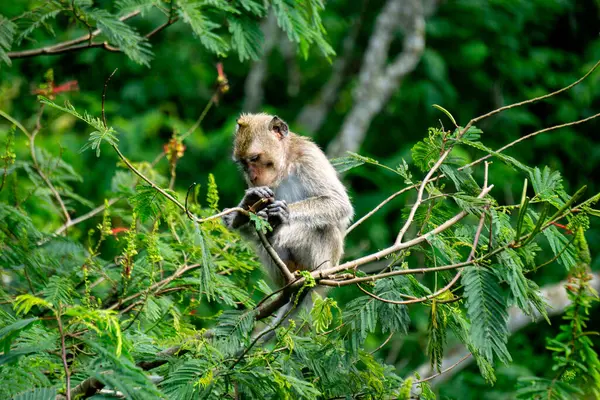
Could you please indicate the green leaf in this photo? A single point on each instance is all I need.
(207, 264)
(550, 389)
(101, 134)
(487, 311)
(511, 270)
(247, 38)
(147, 202)
(7, 32)
(255, 7)
(59, 290)
(437, 337)
(127, 6)
(233, 329)
(260, 224)
(343, 164)
(392, 317)
(126, 38)
(25, 302)
(511, 161)
(9, 332)
(191, 13)
(321, 312)
(560, 246)
(37, 18)
(460, 326)
(547, 185)
(37, 394)
(425, 153)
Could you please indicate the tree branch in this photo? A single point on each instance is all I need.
(69, 45)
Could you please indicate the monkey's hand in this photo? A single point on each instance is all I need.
(252, 196)
(277, 213)
(255, 194)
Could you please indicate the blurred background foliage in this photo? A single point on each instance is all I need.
(479, 55)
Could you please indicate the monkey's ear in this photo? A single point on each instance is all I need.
(278, 126)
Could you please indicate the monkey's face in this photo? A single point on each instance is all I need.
(260, 149)
(259, 170)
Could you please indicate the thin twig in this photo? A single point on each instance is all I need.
(508, 107)
(187, 210)
(384, 343)
(263, 333)
(202, 115)
(551, 128)
(161, 27)
(86, 216)
(410, 271)
(182, 270)
(378, 207)
(104, 96)
(288, 276)
(415, 300)
(444, 371)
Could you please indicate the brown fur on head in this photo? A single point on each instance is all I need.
(260, 147)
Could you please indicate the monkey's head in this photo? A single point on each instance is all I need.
(260, 148)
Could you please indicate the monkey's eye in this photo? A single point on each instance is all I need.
(254, 158)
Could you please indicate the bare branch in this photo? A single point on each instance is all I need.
(288, 276)
(379, 207)
(530, 135)
(384, 343)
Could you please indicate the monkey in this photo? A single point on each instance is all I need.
(305, 202)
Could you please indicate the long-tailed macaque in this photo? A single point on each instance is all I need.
(306, 203)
